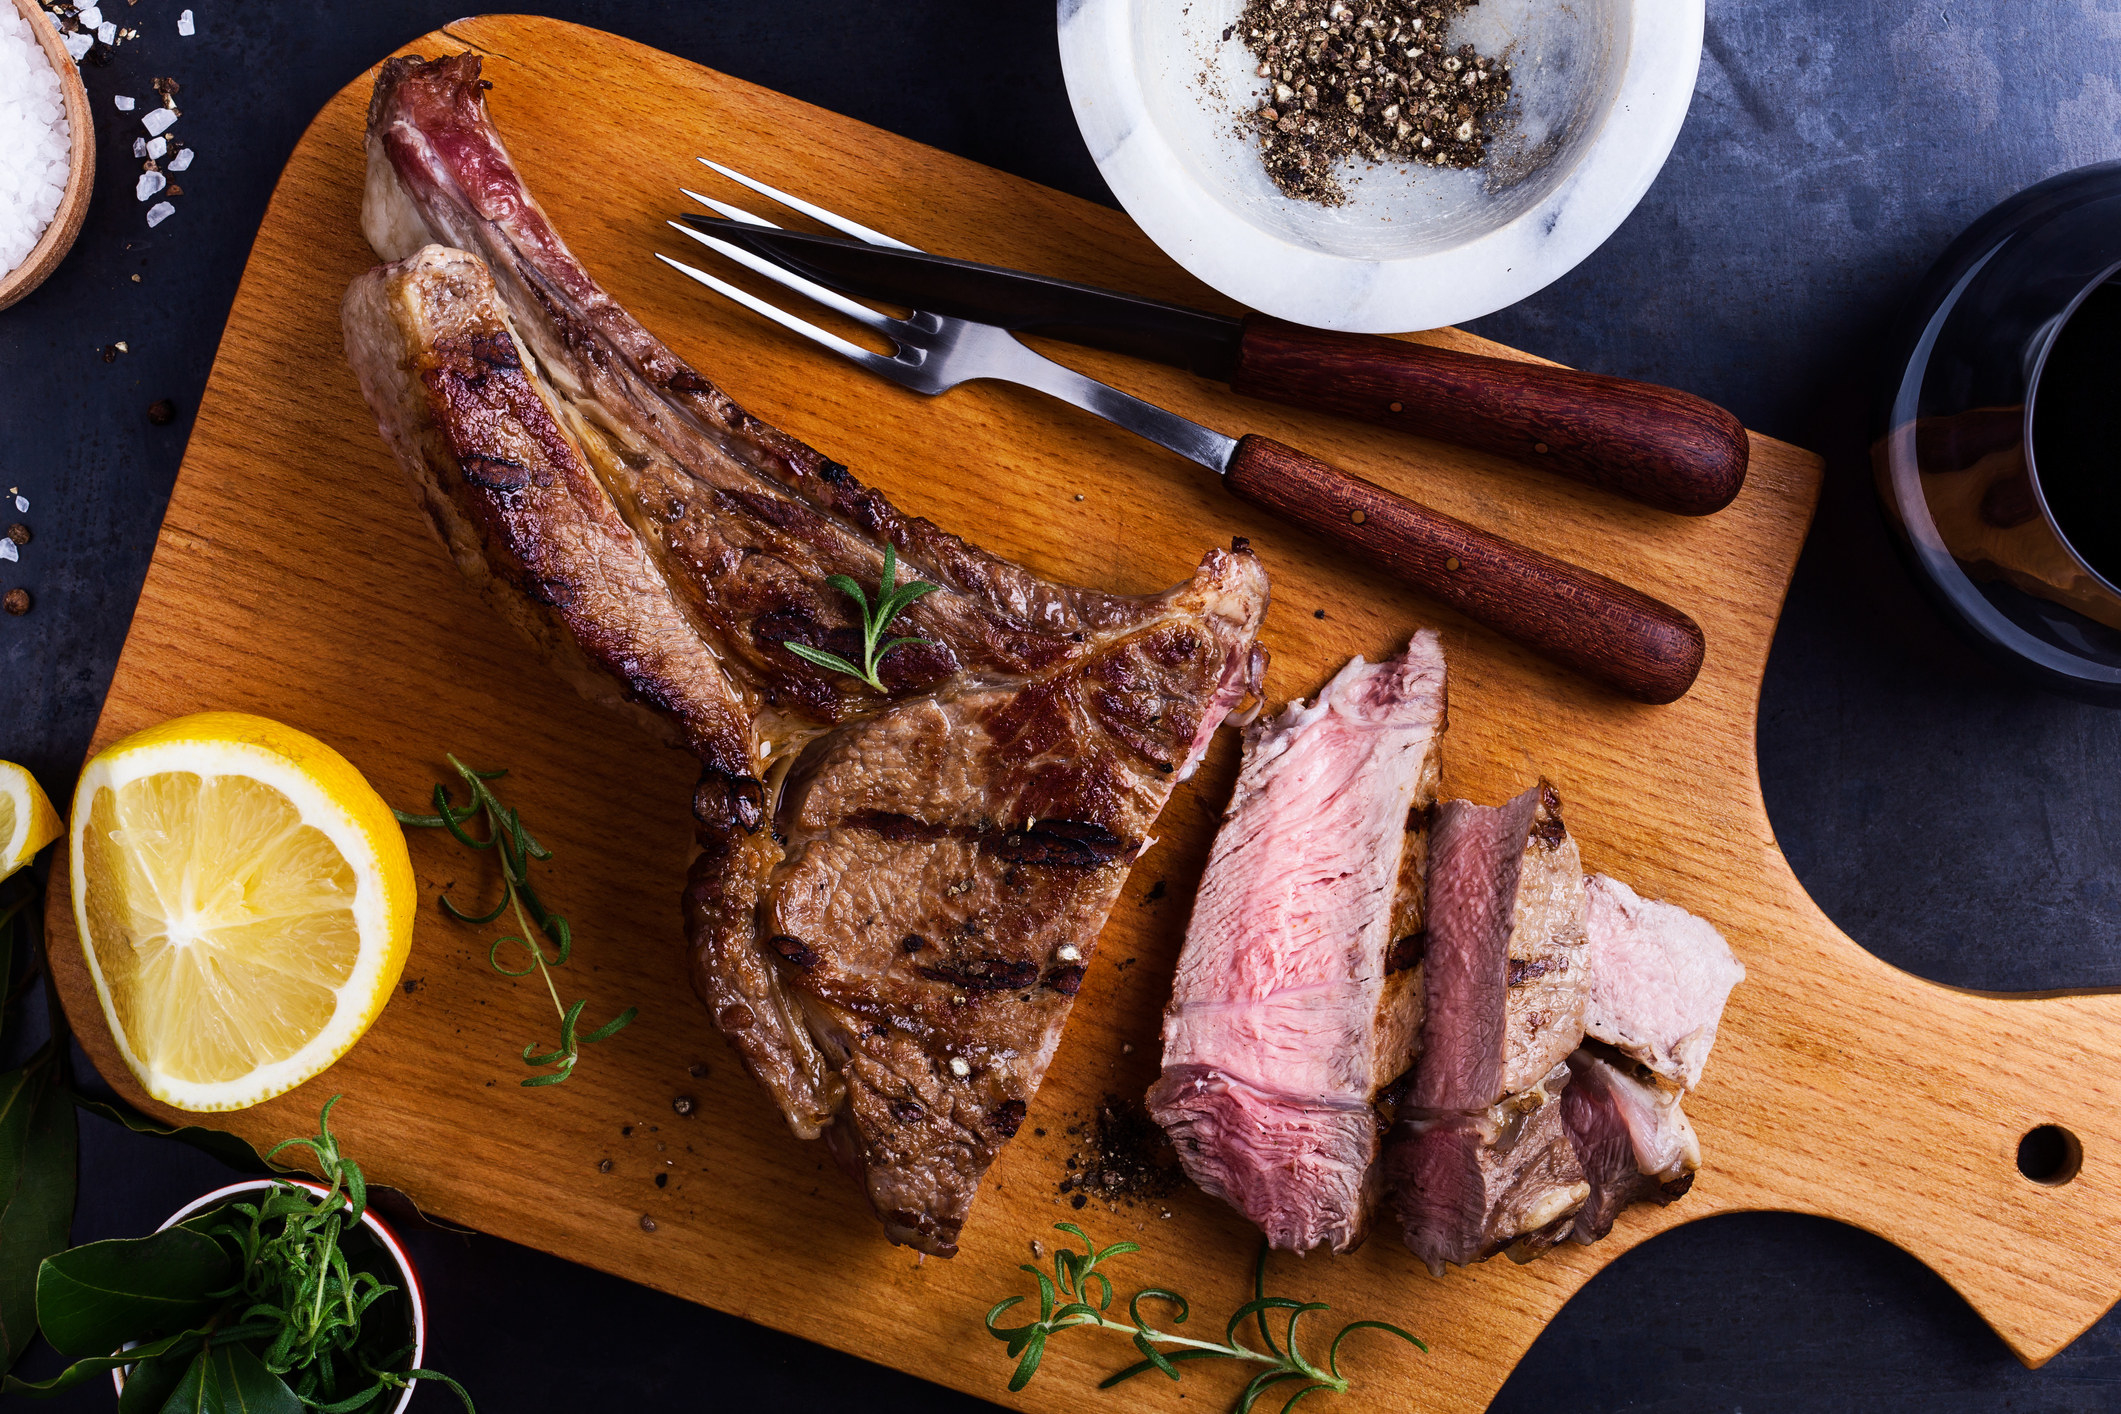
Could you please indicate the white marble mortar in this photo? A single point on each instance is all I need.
(1600, 89)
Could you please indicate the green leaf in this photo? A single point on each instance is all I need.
(151, 1381)
(93, 1299)
(831, 662)
(38, 1140)
(228, 1379)
(182, 1344)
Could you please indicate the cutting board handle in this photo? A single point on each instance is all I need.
(1610, 633)
(1899, 1106)
(1656, 445)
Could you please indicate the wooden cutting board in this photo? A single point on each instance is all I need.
(295, 578)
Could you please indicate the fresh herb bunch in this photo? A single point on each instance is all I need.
(249, 1308)
(891, 597)
(516, 848)
(1078, 1294)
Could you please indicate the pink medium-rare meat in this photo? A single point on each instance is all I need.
(1504, 966)
(1503, 1178)
(1659, 980)
(1287, 1017)
(1477, 1159)
(895, 894)
(1630, 1136)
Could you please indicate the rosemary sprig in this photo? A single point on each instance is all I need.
(516, 848)
(1078, 1294)
(891, 598)
(297, 1300)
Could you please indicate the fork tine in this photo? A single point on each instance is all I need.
(875, 363)
(815, 213)
(831, 299)
(725, 210)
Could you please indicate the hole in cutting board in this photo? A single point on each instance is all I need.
(2050, 1154)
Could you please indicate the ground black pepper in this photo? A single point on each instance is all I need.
(1365, 78)
(1125, 1157)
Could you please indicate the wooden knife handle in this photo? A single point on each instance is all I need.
(1621, 637)
(1662, 447)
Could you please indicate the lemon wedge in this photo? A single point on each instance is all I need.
(27, 821)
(245, 902)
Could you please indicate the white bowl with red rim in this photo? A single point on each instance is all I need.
(380, 1230)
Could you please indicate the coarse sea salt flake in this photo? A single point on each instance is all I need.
(140, 146)
(90, 17)
(125, 103)
(156, 148)
(8, 550)
(158, 213)
(159, 121)
(184, 23)
(22, 505)
(33, 140)
(78, 44)
(181, 161)
(149, 184)
(107, 32)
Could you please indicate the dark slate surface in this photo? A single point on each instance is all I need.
(1957, 823)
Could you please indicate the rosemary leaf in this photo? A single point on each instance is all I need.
(1079, 1294)
(516, 849)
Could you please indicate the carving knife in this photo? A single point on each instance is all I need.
(1655, 445)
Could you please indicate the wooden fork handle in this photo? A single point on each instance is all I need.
(1615, 635)
(1662, 447)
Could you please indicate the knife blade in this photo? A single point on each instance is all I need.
(1655, 445)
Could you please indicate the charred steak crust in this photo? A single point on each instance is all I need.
(662, 545)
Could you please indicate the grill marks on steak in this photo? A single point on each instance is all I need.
(661, 543)
(1478, 1159)
(1287, 1020)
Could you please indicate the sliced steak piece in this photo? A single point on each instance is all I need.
(1630, 1135)
(1504, 982)
(1503, 969)
(1659, 980)
(1287, 1018)
(896, 893)
(1467, 1186)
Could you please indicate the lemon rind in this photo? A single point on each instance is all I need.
(376, 907)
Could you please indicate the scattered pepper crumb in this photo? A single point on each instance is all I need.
(647, 1223)
(662, 1180)
(19, 533)
(16, 602)
(684, 1104)
(603, 1166)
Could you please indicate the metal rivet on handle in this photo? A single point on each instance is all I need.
(1539, 447)
(1450, 562)
(1358, 517)
(1397, 408)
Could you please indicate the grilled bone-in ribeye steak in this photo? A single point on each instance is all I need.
(895, 895)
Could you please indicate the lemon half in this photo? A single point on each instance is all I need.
(245, 901)
(27, 821)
